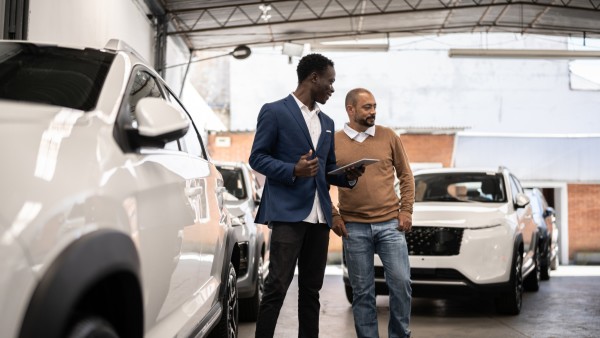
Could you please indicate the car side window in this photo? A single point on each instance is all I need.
(142, 84)
(191, 142)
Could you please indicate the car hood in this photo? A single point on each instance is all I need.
(459, 215)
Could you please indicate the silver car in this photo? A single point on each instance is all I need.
(242, 200)
(111, 217)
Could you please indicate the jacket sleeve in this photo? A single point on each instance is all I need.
(262, 157)
(405, 176)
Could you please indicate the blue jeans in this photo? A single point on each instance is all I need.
(364, 240)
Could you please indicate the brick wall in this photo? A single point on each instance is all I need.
(240, 144)
(584, 199)
(419, 147)
(429, 148)
(584, 218)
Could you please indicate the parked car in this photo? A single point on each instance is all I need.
(242, 200)
(473, 234)
(545, 218)
(111, 217)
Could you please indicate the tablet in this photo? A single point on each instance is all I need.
(363, 161)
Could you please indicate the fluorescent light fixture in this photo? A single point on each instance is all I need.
(523, 53)
(351, 47)
(292, 49)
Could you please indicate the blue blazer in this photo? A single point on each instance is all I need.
(281, 138)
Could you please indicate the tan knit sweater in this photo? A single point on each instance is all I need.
(373, 199)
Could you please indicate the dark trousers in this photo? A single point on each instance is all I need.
(305, 243)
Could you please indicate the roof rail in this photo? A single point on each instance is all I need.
(120, 45)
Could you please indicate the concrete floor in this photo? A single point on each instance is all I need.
(568, 305)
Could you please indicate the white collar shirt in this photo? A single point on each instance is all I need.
(359, 136)
(311, 117)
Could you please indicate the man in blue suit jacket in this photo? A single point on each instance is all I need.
(294, 149)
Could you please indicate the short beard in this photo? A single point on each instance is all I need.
(365, 122)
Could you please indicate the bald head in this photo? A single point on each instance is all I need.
(361, 108)
(352, 96)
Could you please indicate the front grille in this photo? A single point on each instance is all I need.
(434, 241)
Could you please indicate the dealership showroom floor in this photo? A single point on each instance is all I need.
(568, 305)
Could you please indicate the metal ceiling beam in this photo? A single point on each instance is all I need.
(160, 43)
(215, 24)
(307, 37)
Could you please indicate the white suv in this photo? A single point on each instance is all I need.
(111, 216)
(472, 233)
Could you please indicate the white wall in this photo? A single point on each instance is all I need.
(94, 22)
(91, 23)
(423, 87)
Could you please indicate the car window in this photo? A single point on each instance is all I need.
(142, 84)
(63, 77)
(191, 142)
(460, 187)
(233, 180)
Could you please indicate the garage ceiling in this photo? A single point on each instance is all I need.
(218, 24)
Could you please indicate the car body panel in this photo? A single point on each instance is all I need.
(68, 177)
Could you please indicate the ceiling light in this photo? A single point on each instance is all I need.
(292, 49)
(265, 16)
(351, 47)
(523, 53)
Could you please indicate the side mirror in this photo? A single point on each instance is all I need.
(522, 200)
(159, 122)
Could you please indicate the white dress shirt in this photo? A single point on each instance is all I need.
(311, 117)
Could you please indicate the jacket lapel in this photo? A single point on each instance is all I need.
(323, 130)
(292, 106)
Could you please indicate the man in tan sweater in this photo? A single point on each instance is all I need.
(372, 219)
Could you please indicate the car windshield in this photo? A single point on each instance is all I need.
(71, 78)
(233, 179)
(460, 187)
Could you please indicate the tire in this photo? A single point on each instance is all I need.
(92, 327)
(349, 296)
(249, 306)
(546, 264)
(532, 281)
(227, 327)
(510, 302)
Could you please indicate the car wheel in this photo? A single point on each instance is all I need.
(545, 269)
(227, 327)
(510, 302)
(532, 281)
(349, 296)
(249, 307)
(92, 327)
